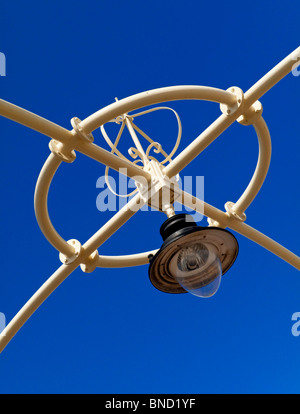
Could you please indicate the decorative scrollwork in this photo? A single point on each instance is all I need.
(134, 153)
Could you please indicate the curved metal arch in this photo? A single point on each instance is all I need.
(153, 97)
(53, 162)
(262, 167)
(41, 205)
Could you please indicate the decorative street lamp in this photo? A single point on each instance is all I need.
(191, 258)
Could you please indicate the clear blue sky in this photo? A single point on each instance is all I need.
(111, 331)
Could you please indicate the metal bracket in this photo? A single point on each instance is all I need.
(162, 191)
(251, 115)
(229, 207)
(62, 151)
(213, 223)
(229, 110)
(75, 122)
(90, 263)
(77, 251)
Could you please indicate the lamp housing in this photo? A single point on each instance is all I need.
(191, 258)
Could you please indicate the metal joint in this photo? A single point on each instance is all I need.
(251, 115)
(75, 122)
(90, 262)
(63, 151)
(231, 109)
(163, 192)
(232, 213)
(77, 251)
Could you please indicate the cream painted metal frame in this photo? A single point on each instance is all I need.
(235, 106)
